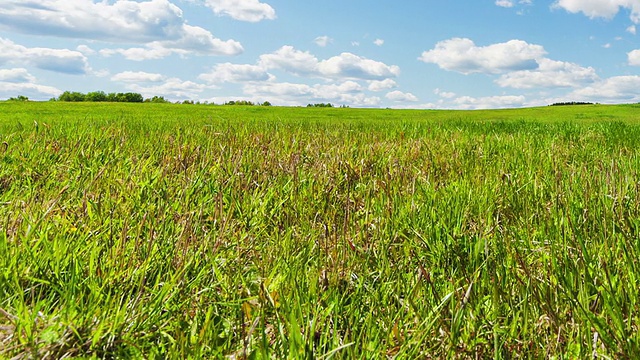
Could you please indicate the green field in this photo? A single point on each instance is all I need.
(192, 231)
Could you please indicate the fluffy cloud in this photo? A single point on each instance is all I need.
(151, 52)
(196, 41)
(137, 77)
(634, 58)
(87, 51)
(511, 3)
(152, 84)
(348, 65)
(601, 8)
(504, 3)
(549, 74)
(172, 88)
(323, 41)
(444, 94)
(378, 42)
(58, 60)
(158, 22)
(19, 75)
(30, 90)
(19, 81)
(291, 60)
(244, 10)
(489, 102)
(123, 20)
(235, 73)
(617, 89)
(463, 56)
(348, 92)
(400, 96)
(380, 85)
(343, 66)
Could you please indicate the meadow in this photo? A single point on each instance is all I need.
(191, 231)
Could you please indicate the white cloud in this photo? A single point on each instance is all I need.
(137, 77)
(122, 20)
(400, 96)
(281, 90)
(235, 73)
(380, 85)
(348, 65)
(58, 60)
(18, 81)
(195, 41)
(347, 93)
(343, 66)
(291, 60)
(550, 74)
(152, 52)
(444, 94)
(489, 102)
(244, 10)
(617, 89)
(601, 8)
(378, 42)
(85, 50)
(634, 57)
(504, 3)
(172, 88)
(463, 56)
(28, 89)
(323, 41)
(18, 75)
(158, 22)
(631, 29)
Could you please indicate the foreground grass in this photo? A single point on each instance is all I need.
(163, 231)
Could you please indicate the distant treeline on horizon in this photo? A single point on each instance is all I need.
(568, 103)
(131, 97)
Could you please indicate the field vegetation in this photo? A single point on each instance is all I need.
(170, 231)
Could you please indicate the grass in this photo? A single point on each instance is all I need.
(165, 231)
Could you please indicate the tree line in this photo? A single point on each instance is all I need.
(131, 97)
(101, 96)
(569, 103)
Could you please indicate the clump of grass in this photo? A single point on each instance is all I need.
(209, 232)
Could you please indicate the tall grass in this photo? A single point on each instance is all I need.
(164, 231)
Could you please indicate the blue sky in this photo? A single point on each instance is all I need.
(454, 54)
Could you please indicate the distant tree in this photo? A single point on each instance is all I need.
(321, 105)
(240, 102)
(96, 96)
(132, 97)
(266, 103)
(568, 103)
(125, 97)
(71, 96)
(157, 100)
(19, 98)
(100, 96)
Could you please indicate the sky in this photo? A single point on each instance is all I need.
(454, 54)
